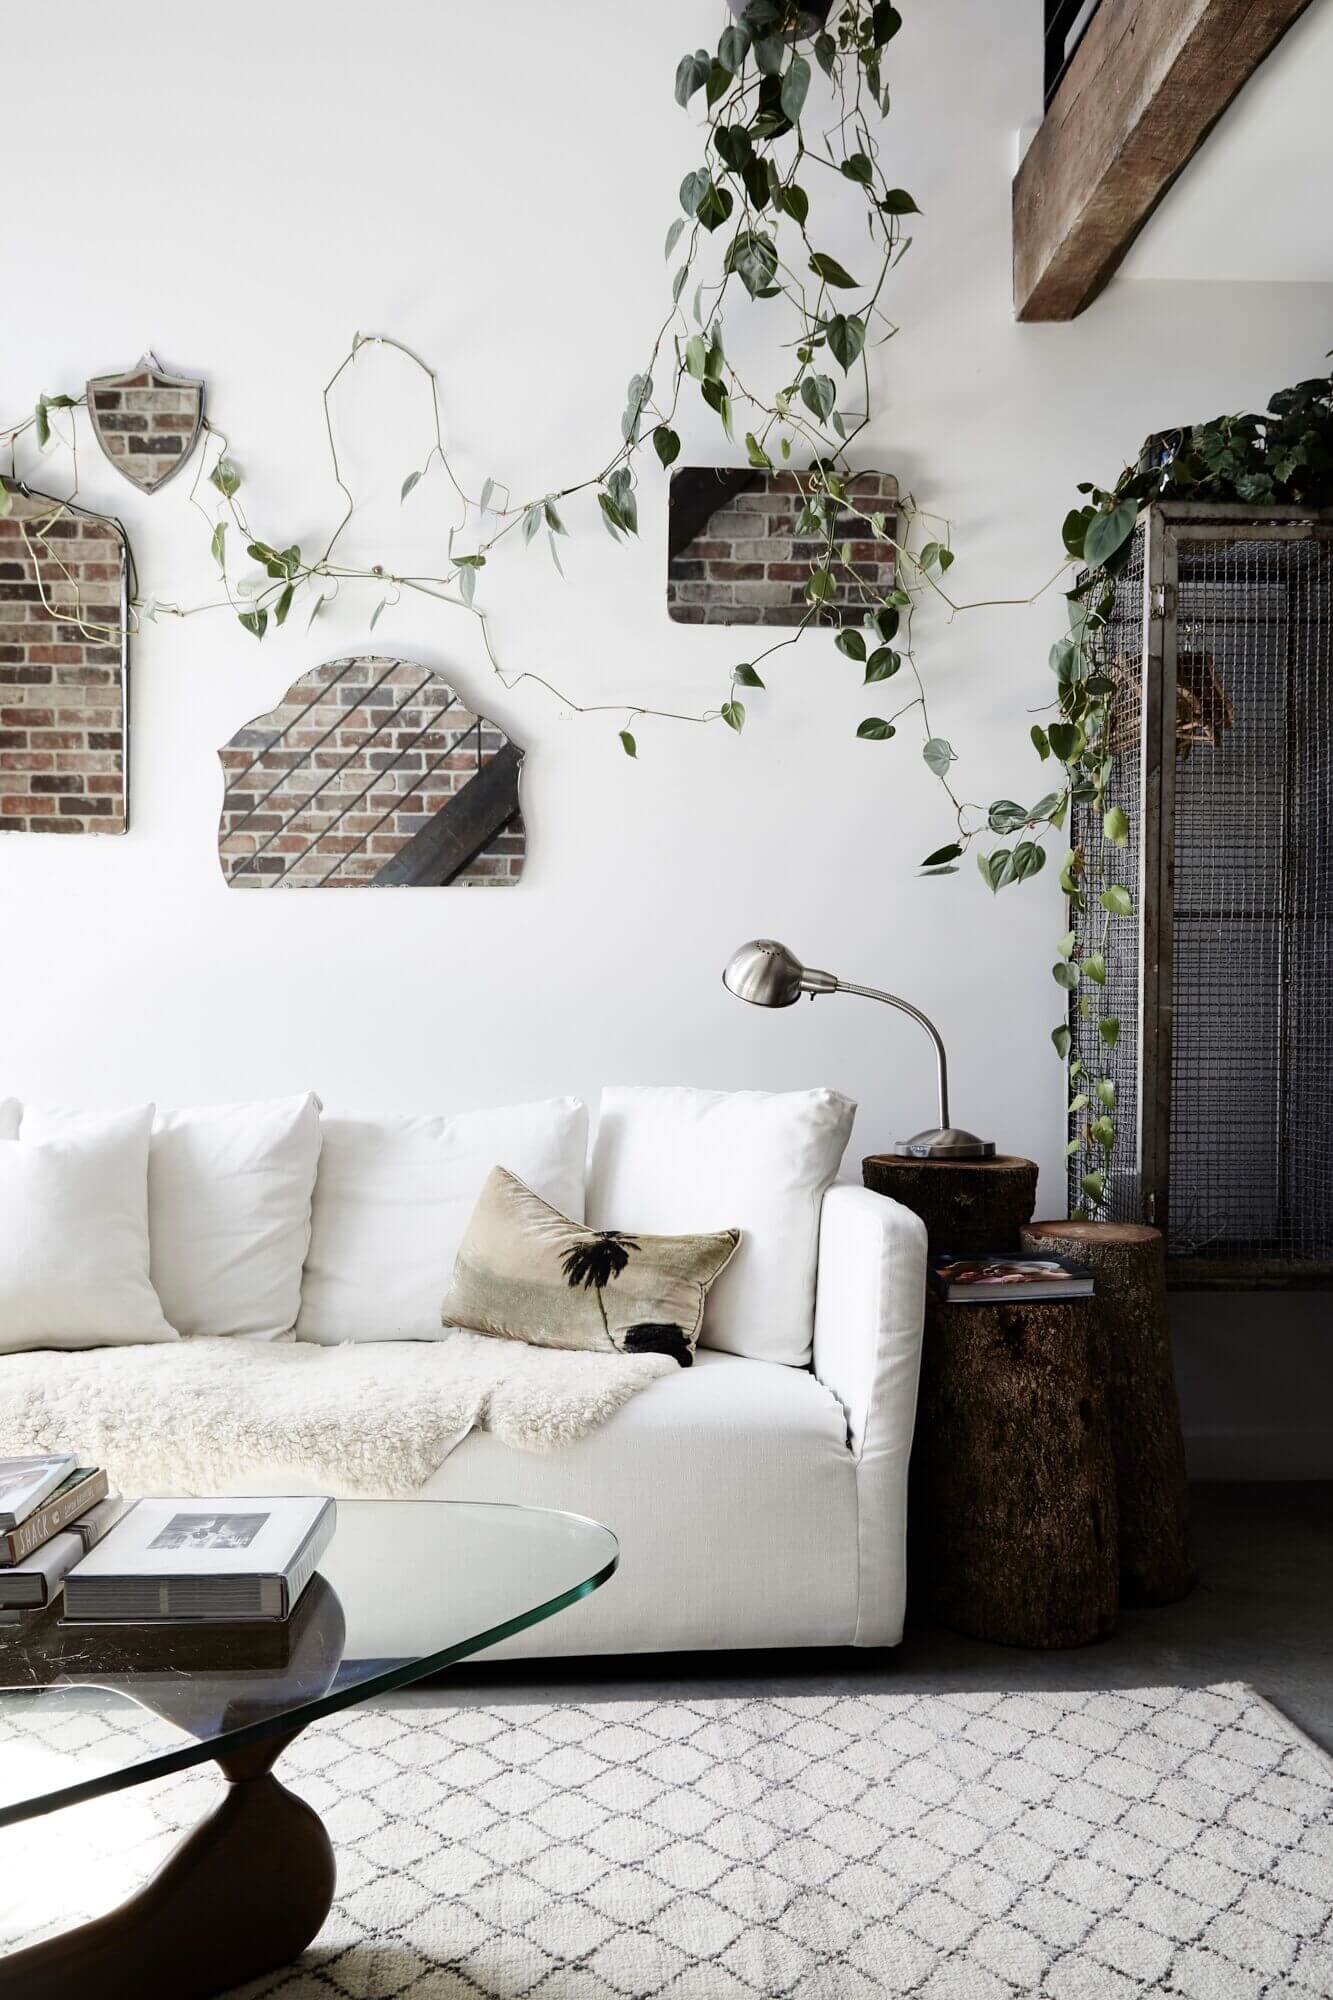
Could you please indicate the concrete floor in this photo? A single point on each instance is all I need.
(1262, 1612)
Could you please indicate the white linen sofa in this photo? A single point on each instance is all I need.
(759, 1496)
(756, 1503)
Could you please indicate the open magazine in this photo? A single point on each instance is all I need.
(1002, 1274)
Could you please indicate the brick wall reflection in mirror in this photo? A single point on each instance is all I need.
(736, 553)
(371, 773)
(146, 421)
(63, 653)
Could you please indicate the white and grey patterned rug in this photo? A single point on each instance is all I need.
(951, 1846)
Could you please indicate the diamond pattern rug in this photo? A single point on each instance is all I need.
(933, 1847)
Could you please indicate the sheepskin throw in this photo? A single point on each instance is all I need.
(526, 1272)
(372, 1420)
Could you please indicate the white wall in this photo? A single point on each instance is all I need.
(492, 185)
(1252, 202)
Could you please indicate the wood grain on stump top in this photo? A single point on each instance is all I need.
(999, 1163)
(1125, 1235)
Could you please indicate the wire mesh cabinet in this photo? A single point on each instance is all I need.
(1221, 642)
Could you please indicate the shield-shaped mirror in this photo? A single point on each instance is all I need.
(146, 421)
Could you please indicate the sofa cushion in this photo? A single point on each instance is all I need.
(74, 1237)
(526, 1272)
(229, 1189)
(229, 1193)
(760, 1161)
(729, 1486)
(393, 1197)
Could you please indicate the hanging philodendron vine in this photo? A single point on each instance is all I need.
(1284, 457)
(744, 227)
(744, 232)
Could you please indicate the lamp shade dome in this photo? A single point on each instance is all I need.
(765, 973)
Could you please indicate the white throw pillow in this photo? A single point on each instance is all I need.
(679, 1162)
(74, 1237)
(229, 1190)
(393, 1197)
(11, 1111)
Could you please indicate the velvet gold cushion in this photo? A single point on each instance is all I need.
(526, 1272)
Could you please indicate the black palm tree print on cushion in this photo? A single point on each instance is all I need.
(596, 1262)
(659, 1337)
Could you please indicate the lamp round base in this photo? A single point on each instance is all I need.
(946, 1142)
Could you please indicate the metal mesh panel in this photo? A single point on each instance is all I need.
(1251, 1096)
(1120, 653)
(1251, 1150)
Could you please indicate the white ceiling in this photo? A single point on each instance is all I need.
(1256, 201)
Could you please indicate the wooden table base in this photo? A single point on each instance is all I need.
(242, 1895)
(1128, 1262)
(1016, 1474)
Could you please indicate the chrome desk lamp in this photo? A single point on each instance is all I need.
(765, 973)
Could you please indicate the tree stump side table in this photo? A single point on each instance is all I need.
(967, 1205)
(1128, 1263)
(1017, 1480)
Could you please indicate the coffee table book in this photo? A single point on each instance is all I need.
(98, 1520)
(25, 1483)
(74, 1497)
(34, 1583)
(178, 1561)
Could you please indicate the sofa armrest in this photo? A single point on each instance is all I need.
(869, 1312)
(869, 1317)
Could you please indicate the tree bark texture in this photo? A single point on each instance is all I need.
(1128, 1263)
(1018, 1474)
(968, 1206)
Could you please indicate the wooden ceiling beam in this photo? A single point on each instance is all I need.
(1146, 85)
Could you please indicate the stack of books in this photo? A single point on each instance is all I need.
(999, 1275)
(52, 1512)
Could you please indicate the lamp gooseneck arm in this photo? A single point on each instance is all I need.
(906, 1007)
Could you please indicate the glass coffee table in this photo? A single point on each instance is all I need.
(248, 1889)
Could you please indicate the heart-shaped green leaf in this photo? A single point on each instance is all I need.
(1108, 532)
(831, 271)
(795, 88)
(691, 75)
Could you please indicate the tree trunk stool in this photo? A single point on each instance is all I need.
(1017, 1473)
(967, 1205)
(1128, 1263)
